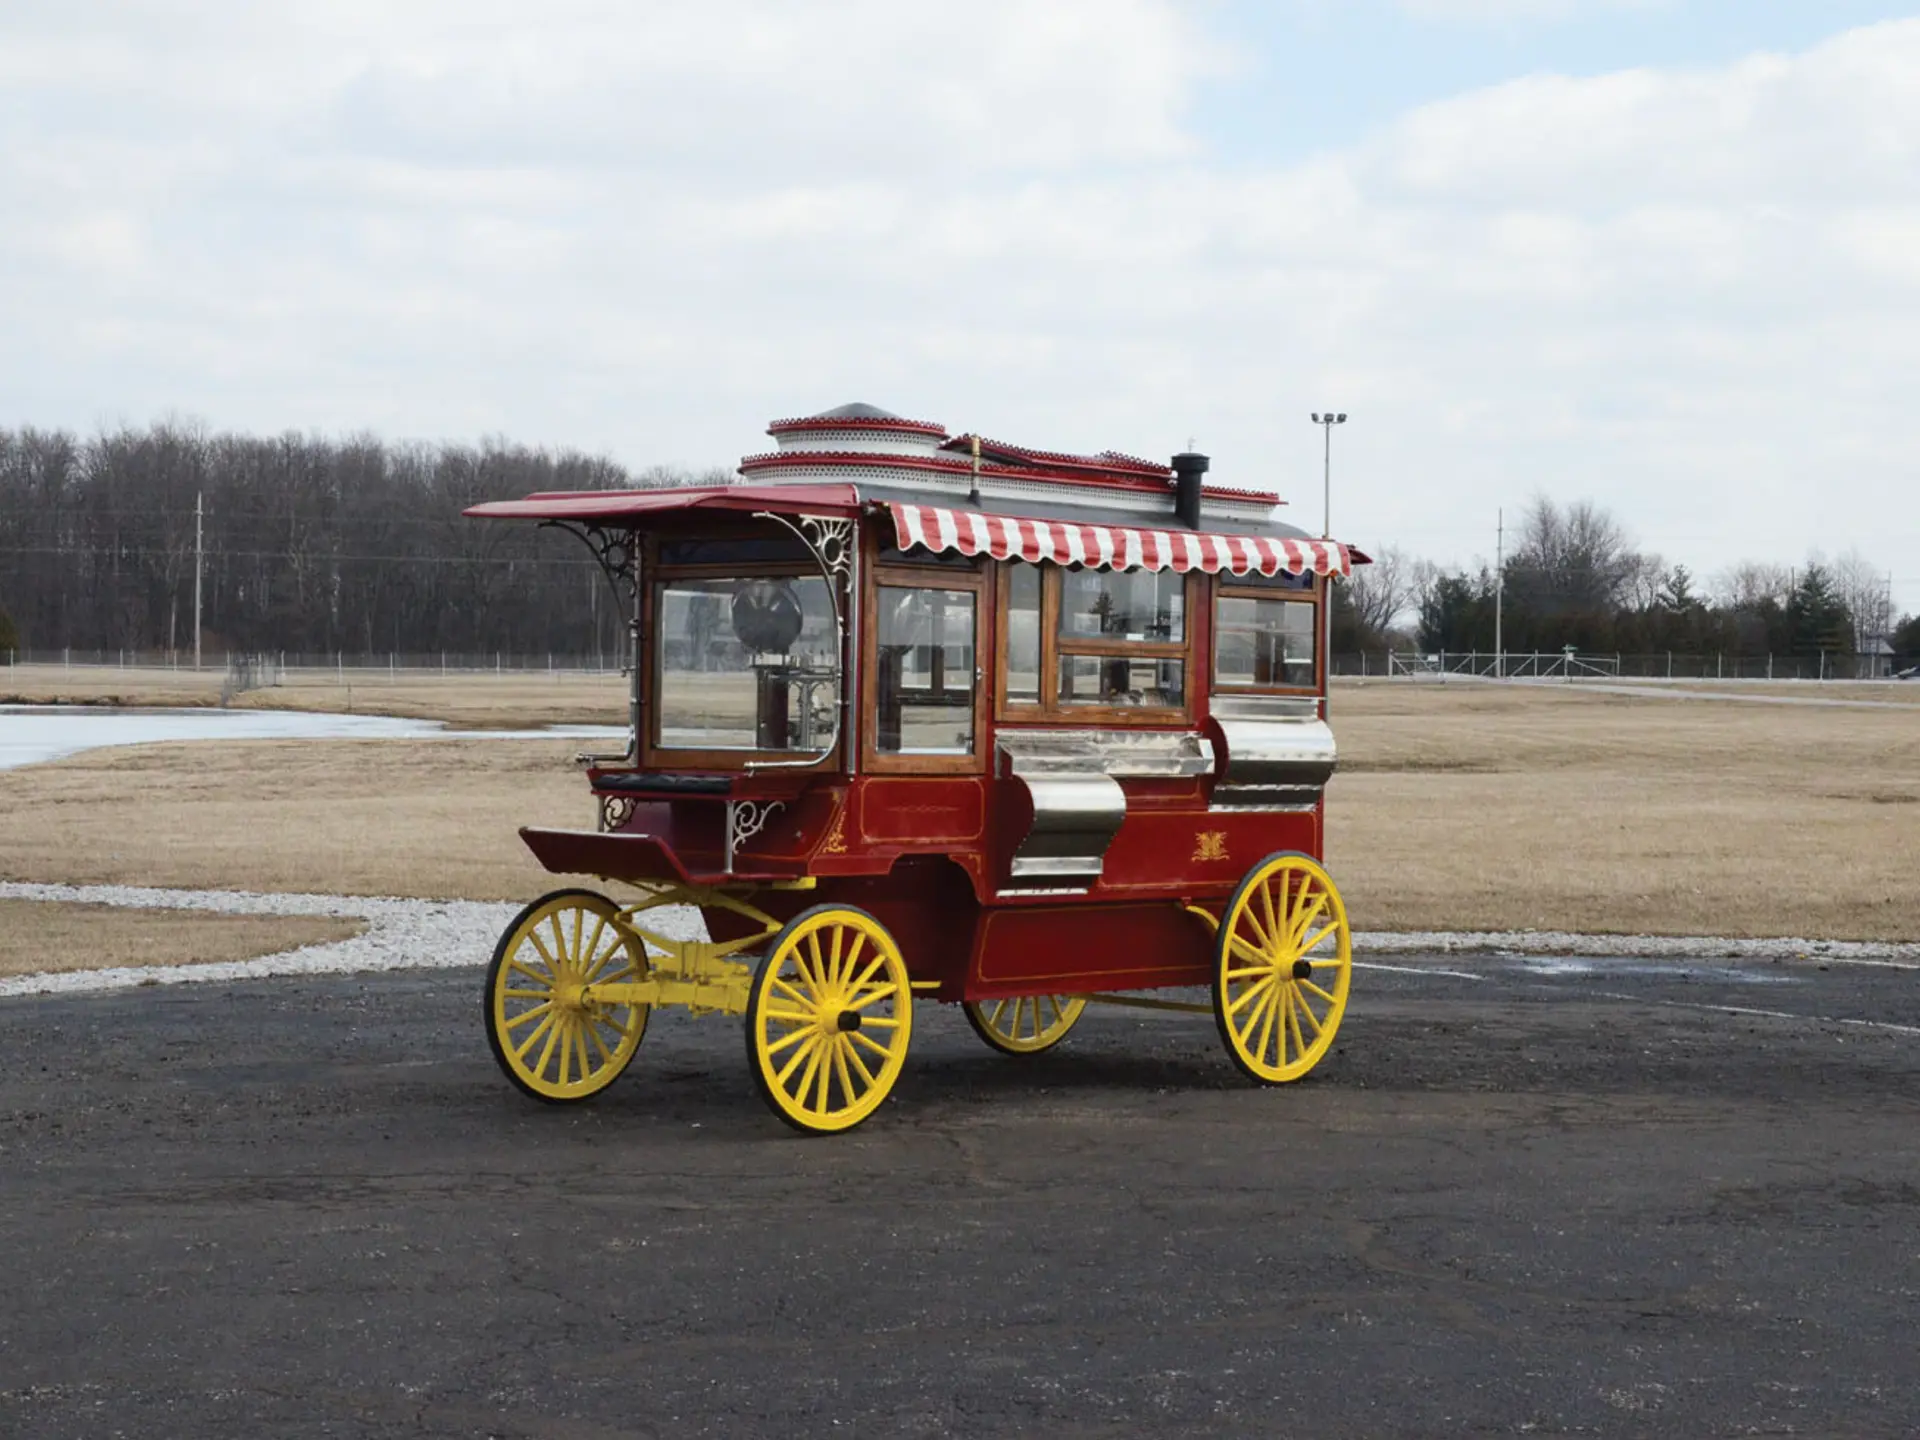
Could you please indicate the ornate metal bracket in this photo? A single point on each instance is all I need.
(832, 544)
(615, 811)
(616, 552)
(746, 819)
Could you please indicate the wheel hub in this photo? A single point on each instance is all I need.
(848, 1020)
(1303, 969)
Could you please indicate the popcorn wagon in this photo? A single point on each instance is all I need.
(921, 717)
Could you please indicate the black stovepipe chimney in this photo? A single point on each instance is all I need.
(1187, 470)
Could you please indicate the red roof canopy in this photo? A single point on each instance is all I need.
(623, 506)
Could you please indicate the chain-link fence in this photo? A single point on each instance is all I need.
(1572, 665)
(268, 668)
(411, 663)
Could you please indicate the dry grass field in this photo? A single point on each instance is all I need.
(39, 937)
(1496, 807)
(1457, 807)
(362, 817)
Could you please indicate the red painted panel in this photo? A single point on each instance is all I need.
(1068, 947)
(1201, 852)
(913, 810)
(628, 857)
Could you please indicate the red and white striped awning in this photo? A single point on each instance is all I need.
(1116, 547)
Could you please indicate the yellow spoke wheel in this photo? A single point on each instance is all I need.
(1283, 960)
(828, 1019)
(1025, 1024)
(551, 1043)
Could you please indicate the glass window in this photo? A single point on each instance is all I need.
(1264, 642)
(1284, 580)
(1023, 635)
(921, 555)
(745, 664)
(740, 551)
(925, 688)
(1121, 681)
(1130, 605)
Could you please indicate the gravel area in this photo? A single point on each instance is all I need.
(400, 935)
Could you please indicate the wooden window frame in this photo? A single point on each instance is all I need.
(874, 760)
(654, 755)
(1051, 710)
(1314, 596)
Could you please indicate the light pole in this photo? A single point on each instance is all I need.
(1326, 423)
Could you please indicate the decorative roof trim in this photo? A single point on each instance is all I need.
(864, 422)
(1115, 547)
(1106, 462)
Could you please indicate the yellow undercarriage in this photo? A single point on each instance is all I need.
(699, 974)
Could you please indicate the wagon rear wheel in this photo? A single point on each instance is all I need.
(828, 1019)
(1283, 960)
(1025, 1024)
(550, 1043)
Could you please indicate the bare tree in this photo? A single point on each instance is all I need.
(1862, 588)
(1646, 583)
(1386, 591)
(1575, 559)
(1750, 583)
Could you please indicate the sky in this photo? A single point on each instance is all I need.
(1659, 254)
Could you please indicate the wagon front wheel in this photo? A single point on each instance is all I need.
(1025, 1024)
(828, 1019)
(1283, 960)
(551, 1043)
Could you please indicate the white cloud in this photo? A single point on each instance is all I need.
(1485, 11)
(1691, 295)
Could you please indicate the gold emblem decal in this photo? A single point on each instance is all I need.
(836, 843)
(1210, 845)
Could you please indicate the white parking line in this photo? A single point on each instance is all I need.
(1762, 1014)
(1417, 970)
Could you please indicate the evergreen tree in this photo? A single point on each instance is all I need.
(1906, 638)
(1457, 613)
(1817, 619)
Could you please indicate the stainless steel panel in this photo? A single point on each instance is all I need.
(1075, 818)
(1122, 754)
(1077, 807)
(1279, 753)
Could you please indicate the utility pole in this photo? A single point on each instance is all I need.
(199, 565)
(1499, 593)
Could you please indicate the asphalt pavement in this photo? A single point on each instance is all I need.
(1521, 1197)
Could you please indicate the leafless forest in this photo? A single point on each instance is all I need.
(312, 545)
(317, 546)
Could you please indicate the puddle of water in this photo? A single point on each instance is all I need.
(33, 734)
